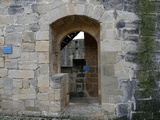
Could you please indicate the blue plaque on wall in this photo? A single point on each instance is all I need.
(86, 68)
(7, 50)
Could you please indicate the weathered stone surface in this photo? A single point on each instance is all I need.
(54, 107)
(43, 81)
(17, 83)
(42, 35)
(43, 58)
(21, 73)
(1, 62)
(113, 45)
(51, 97)
(14, 28)
(24, 96)
(57, 94)
(1, 41)
(43, 105)
(8, 83)
(1, 83)
(11, 63)
(6, 20)
(12, 105)
(24, 2)
(25, 56)
(42, 46)
(15, 9)
(28, 47)
(44, 69)
(42, 96)
(25, 84)
(3, 73)
(33, 57)
(28, 37)
(29, 103)
(28, 19)
(14, 39)
(108, 70)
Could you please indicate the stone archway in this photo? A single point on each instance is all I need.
(63, 26)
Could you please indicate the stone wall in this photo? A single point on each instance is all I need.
(35, 28)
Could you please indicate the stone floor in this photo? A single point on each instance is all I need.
(87, 109)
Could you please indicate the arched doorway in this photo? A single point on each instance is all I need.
(64, 27)
(79, 58)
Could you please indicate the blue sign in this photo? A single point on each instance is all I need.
(86, 68)
(7, 50)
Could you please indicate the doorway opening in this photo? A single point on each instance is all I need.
(79, 58)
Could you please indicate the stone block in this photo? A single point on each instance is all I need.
(113, 45)
(80, 8)
(16, 91)
(4, 20)
(113, 91)
(29, 103)
(7, 94)
(24, 96)
(3, 73)
(25, 56)
(42, 46)
(115, 99)
(110, 82)
(58, 94)
(14, 28)
(24, 2)
(33, 57)
(1, 62)
(42, 35)
(25, 84)
(12, 105)
(109, 57)
(11, 63)
(28, 47)
(44, 27)
(14, 39)
(1, 83)
(15, 9)
(17, 83)
(51, 97)
(110, 107)
(98, 12)
(43, 105)
(43, 81)
(29, 37)
(28, 19)
(129, 16)
(34, 27)
(43, 57)
(8, 83)
(54, 107)
(21, 74)
(1, 41)
(29, 90)
(108, 70)
(28, 65)
(110, 34)
(129, 46)
(1, 92)
(44, 69)
(123, 69)
(42, 96)
(33, 83)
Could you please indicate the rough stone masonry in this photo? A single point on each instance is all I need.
(31, 81)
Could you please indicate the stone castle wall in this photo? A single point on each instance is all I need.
(34, 30)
